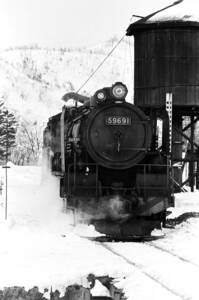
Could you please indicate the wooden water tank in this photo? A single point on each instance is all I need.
(166, 61)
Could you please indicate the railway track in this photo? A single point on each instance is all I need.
(149, 242)
(185, 260)
(175, 274)
(151, 275)
(172, 272)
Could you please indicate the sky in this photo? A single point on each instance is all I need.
(68, 23)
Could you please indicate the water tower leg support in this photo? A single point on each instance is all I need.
(197, 176)
(191, 164)
(192, 155)
(177, 148)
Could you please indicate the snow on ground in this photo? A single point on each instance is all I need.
(41, 247)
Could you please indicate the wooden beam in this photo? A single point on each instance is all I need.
(189, 125)
(186, 137)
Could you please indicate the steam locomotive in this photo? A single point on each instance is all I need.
(112, 159)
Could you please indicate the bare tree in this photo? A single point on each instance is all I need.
(29, 143)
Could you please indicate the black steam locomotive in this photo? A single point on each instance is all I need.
(120, 162)
(112, 160)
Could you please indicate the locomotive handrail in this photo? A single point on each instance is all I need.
(146, 164)
(124, 187)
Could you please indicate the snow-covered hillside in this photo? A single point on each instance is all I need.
(33, 81)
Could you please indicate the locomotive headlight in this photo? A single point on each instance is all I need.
(100, 96)
(119, 90)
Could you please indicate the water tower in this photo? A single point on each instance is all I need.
(166, 62)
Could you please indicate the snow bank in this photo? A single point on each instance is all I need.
(29, 198)
(185, 202)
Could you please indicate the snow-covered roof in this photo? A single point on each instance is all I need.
(183, 14)
(187, 10)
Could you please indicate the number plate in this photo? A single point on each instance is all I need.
(118, 120)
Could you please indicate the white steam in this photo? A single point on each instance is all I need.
(110, 207)
(33, 201)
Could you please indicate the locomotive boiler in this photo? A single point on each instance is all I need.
(112, 160)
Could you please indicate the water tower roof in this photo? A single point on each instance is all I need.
(184, 14)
